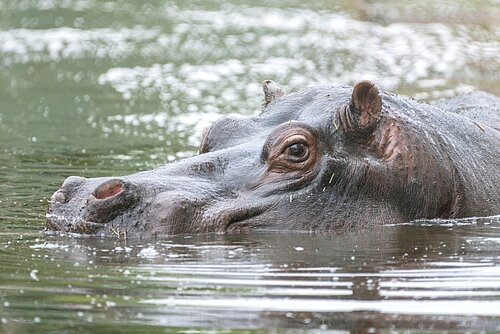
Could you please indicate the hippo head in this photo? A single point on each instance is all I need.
(322, 159)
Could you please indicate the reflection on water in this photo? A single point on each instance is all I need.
(438, 276)
(98, 88)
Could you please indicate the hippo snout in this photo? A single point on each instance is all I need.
(83, 205)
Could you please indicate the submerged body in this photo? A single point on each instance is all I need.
(322, 159)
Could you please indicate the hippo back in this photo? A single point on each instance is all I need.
(479, 106)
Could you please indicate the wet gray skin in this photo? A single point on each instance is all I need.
(323, 159)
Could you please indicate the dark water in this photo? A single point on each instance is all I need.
(99, 88)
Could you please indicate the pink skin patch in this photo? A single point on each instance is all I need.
(108, 189)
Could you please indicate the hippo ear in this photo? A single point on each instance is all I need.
(271, 92)
(363, 111)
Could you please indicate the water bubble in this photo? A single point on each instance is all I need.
(33, 274)
(110, 304)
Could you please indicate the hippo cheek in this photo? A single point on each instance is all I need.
(173, 213)
(179, 212)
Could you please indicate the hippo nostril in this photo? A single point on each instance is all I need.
(109, 189)
(110, 199)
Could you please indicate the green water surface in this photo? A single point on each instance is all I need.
(94, 88)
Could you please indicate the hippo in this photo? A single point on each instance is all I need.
(324, 159)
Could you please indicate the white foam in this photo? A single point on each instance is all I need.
(438, 307)
(314, 47)
(149, 252)
(48, 245)
(28, 45)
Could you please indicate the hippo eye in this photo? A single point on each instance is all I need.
(291, 148)
(297, 152)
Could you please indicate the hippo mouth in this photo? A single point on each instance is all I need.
(71, 224)
(234, 220)
(109, 205)
(234, 216)
(243, 219)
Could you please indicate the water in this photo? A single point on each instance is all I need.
(110, 88)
